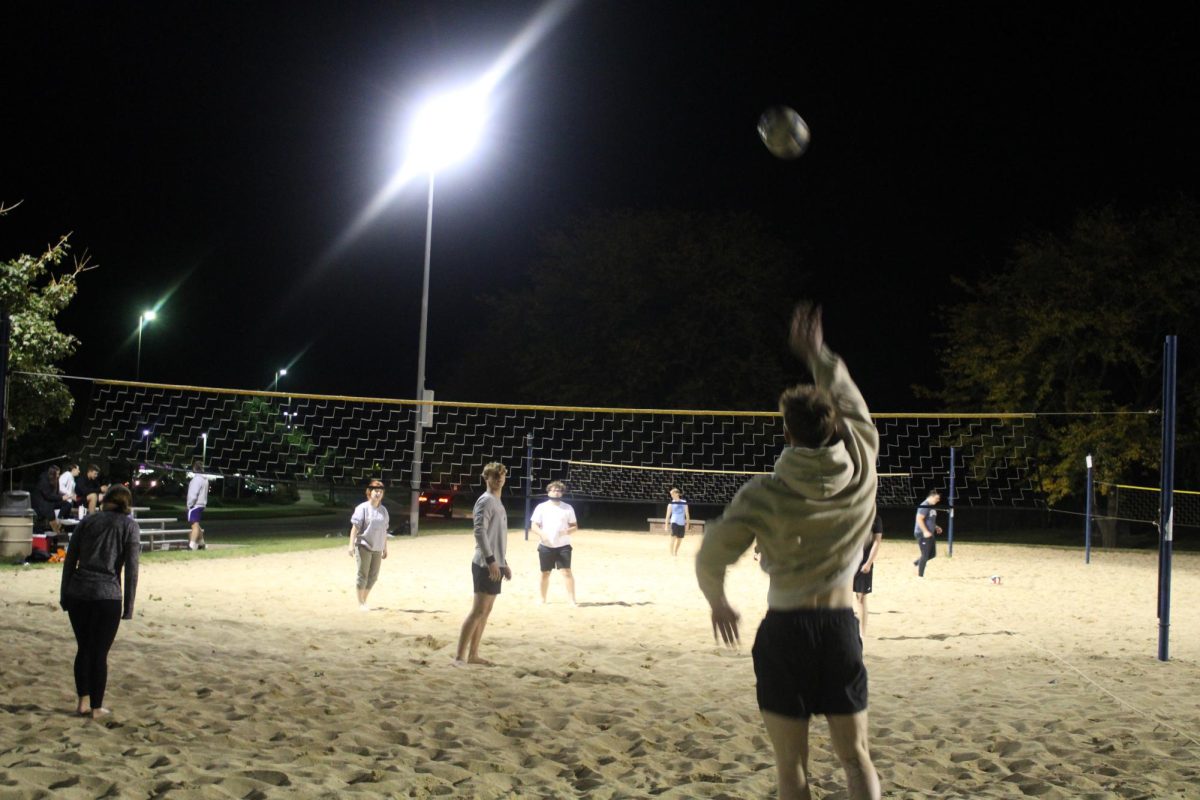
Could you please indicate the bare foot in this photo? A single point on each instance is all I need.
(100, 713)
(458, 662)
(483, 662)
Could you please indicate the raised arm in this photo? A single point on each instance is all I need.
(807, 340)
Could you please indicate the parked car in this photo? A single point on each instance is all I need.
(436, 501)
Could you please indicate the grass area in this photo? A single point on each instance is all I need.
(250, 545)
(235, 512)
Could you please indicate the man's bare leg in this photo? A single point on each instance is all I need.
(789, 738)
(472, 630)
(848, 735)
(862, 614)
(569, 580)
(545, 585)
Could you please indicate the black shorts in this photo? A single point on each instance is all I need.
(483, 581)
(862, 581)
(551, 557)
(678, 530)
(809, 661)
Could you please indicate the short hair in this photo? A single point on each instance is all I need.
(93, 468)
(373, 483)
(674, 490)
(118, 498)
(72, 465)
(562, 487)
(932, 492)
(809, 415)
(494, 469)
(197, 465)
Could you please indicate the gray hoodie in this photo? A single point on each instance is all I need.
(811, 515)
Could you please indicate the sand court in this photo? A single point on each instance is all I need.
(260, 677)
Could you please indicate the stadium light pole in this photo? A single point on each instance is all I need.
(146, 316)
(445, 130)
(278, 373)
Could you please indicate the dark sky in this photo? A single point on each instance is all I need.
(206, 155)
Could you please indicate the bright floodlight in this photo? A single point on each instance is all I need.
(283, 371)
(149, 315)
(447, 129)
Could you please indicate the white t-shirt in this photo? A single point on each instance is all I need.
(555, 520)
(66, 485)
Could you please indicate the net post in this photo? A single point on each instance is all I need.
(1087, 515)
(528, 480)
(950, 524)
(1166, 508)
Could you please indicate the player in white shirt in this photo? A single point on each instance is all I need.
(553, 521)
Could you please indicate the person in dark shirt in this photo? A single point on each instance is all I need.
(104, 545)
(46, 499)
(89, 489)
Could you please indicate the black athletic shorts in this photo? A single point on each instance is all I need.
(483, 582)
(551, 557)
(678, 530)
(809, 661)
(862, 581)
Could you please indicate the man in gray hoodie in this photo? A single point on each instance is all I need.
(810, 518)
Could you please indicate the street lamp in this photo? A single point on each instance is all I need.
(278, 373)
(204, 451)
(146, 316)
(445, 131)
(146, 449)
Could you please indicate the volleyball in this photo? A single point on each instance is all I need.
(784, 132)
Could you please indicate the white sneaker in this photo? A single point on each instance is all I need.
(364, 607)
(193, 546)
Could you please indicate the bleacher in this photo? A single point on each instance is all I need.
(158, 533)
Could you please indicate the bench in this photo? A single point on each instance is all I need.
(656, 525)
(155, 533)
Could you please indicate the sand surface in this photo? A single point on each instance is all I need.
(258, 677)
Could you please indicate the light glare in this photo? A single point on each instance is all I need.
(447, 129)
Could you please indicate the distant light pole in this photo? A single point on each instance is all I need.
(204, 451)
(146, 448)
(445, 131)
(147, 316)
(278, 373)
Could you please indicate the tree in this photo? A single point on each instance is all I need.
(34, 290)
(1075, 323)
(662, 309)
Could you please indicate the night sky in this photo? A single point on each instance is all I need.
(209, 155)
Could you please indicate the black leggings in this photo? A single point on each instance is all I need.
(95, 624)
(928, 545)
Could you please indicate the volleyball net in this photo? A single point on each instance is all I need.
(1142, 504)
(612, 454)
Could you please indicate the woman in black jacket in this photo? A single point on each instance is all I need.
(46, 499)
(103, 544)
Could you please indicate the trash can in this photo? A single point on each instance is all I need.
(16, 526)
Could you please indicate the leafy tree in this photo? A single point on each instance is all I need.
(655, 309)
(34, 290)
(1075, 323)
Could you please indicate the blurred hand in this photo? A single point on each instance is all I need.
(807, 335)
(507, 573)
(725, 625)
(494, 571)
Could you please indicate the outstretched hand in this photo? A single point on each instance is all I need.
(807, 335)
